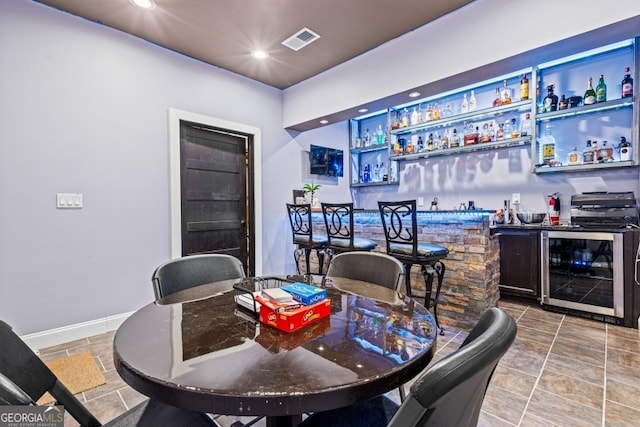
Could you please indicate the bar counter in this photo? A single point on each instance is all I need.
(472, 267)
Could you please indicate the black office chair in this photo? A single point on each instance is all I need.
(194, 270)
(449, 393)
(304, 237)
(373, 267)
(399, 221)
(26, 378)
(338, 220)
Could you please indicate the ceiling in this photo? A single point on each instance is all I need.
(224, 32)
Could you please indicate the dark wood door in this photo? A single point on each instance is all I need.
(520, 264)
(216, 193)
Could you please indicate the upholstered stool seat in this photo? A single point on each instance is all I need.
(399, 221)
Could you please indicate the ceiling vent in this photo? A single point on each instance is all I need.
(301, 39)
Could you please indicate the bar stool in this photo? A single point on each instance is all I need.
(338, 220)
(302, 229)
(399, 221)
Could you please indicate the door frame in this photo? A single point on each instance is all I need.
(175, 116)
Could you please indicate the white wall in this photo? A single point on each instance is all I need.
(84, 109)
(483, 32)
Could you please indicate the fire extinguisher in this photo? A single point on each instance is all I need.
(554, 209)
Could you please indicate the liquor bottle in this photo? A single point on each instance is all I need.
(563, 104)
(605, 152)
(625, 150)
(380, 135)
(367, 138)
(548, 144)
(430, 142)
(514, 129)
(596, 152)
(444, 142)
(500, 132)
(524, 88)
(404, 122)
(383, 172)
(420, 145)
(428, 113)
(484, 137)
(464, 108)
(573, 158)
(525, 128)
(551, 100)
(505, 95)
(601, 90)
(436, 111)
(414, 116)
(472, 102)
(627, 84)
(589, 94)
(588, 155)
(437, 142)
(497, 101)
(376, 173)
(454, 141)
(508, 128)
(492, 132)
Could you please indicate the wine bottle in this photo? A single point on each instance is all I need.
(589, 94)
(464, 108)
(601, 90)
(472, 101)
(524, 88)
(627, 84)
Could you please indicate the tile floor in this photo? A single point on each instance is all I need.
(561, 371)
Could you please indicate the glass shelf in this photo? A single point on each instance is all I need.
(586, 109)
(374, 184)
(369, 149)
(575, 168)
(484, 114)
(481, 146)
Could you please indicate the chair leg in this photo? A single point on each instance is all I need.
(296, 256)
(307, 257)
(428, 271)
(407, 279)
(320, 254)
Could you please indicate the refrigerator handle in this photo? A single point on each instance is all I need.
(544, 265)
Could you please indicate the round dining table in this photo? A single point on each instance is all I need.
(198, 349)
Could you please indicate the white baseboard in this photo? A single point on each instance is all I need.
(78, 331)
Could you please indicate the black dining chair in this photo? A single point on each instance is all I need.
(373, 267)
(25, 378)
(448, 393)
(304, 238)
(400, 224)
(194, 270)
(338, 220)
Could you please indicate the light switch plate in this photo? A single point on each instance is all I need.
(515, 198)
(69, 201)
(420, 201)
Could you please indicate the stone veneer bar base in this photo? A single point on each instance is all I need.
(472, 267)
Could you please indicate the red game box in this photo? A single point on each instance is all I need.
(277, 341)
(291, 320)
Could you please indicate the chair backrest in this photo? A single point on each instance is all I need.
(301, 226)
(451, 392)
(28, 374)
(400, 225)
(194, 270)
(373, 267)
(338, 220)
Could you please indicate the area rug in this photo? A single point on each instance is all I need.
(78, 373)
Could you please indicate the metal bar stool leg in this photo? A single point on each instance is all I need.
(307, 257)
(320, 255)
(407, 278)
(296, 256)
(427, 272)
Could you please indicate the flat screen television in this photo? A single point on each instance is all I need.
(325, 161)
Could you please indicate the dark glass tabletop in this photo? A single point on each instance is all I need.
(198, 349)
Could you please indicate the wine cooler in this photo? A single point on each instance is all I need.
(583, 271)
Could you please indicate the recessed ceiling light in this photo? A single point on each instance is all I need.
(363, 110)
(324, 122)
(259, 54)
(414, 94)
(144, 4)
